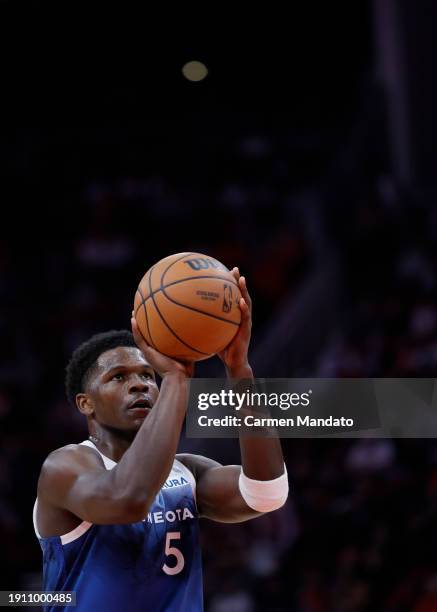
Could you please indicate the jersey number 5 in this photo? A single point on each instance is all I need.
(175, 552)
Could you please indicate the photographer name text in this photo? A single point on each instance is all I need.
(253, 421)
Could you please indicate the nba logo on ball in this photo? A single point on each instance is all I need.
(187, 306)
(227, 298)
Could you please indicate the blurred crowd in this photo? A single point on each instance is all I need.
(357, 534)
(389, 253)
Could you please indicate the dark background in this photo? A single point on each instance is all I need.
(306, 158)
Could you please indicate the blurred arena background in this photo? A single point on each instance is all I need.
(309, 162)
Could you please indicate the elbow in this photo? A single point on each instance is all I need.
(130, 504)
(134, 508)
(115, 511)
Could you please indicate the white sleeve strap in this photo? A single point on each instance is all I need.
(264, 495)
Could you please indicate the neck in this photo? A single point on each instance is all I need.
(113, 443)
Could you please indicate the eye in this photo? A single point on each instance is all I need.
(117, 376)
(146, 375)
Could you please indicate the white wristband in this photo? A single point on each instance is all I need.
(264, 495)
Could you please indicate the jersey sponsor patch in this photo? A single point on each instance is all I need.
(175, 482)
(170, 516)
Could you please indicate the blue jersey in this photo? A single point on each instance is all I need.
(154, 564)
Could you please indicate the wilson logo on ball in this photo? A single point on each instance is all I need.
(201, 263)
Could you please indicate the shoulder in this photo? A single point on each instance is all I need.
(197, 464)
(67, 462)
(72, 453)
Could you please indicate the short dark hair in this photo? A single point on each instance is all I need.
(85, 356)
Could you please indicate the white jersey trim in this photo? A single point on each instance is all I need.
(78, 531)
(34, 519)
(67, 537)
(109, 463)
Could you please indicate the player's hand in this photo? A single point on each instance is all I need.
(160, 363)
(235, 355)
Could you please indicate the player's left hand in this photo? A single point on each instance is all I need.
(235, 355)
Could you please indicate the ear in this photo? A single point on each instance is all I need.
(84, 403)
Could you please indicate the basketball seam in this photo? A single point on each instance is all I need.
(182, 280)
(147, 318)
(165, 322)
(172, 264)
(207, 314)
(187, 279)
(151, 293)
(143, 299)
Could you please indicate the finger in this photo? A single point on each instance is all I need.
(134, 325)
(138, 336)
(245, 310)
(235, 273)
(246, 317)
(244, 292)
(135, 330)
(245, 313)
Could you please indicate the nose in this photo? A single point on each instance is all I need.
(137, 383)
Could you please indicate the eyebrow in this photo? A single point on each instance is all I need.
(120, 367)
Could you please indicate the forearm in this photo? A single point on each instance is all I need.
(231, 494)
(261, 485)
(261, 457)
(144, 467)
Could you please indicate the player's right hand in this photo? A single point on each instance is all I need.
(160, 363)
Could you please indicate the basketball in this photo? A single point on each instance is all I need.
(187, 306)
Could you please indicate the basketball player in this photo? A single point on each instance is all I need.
(117, 515)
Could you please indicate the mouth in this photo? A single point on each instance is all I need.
(140, 407)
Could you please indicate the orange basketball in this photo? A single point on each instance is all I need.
(187, 306)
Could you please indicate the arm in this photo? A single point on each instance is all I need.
(74, 478)
(219, 494)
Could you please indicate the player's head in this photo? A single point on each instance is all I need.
(110, 381)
